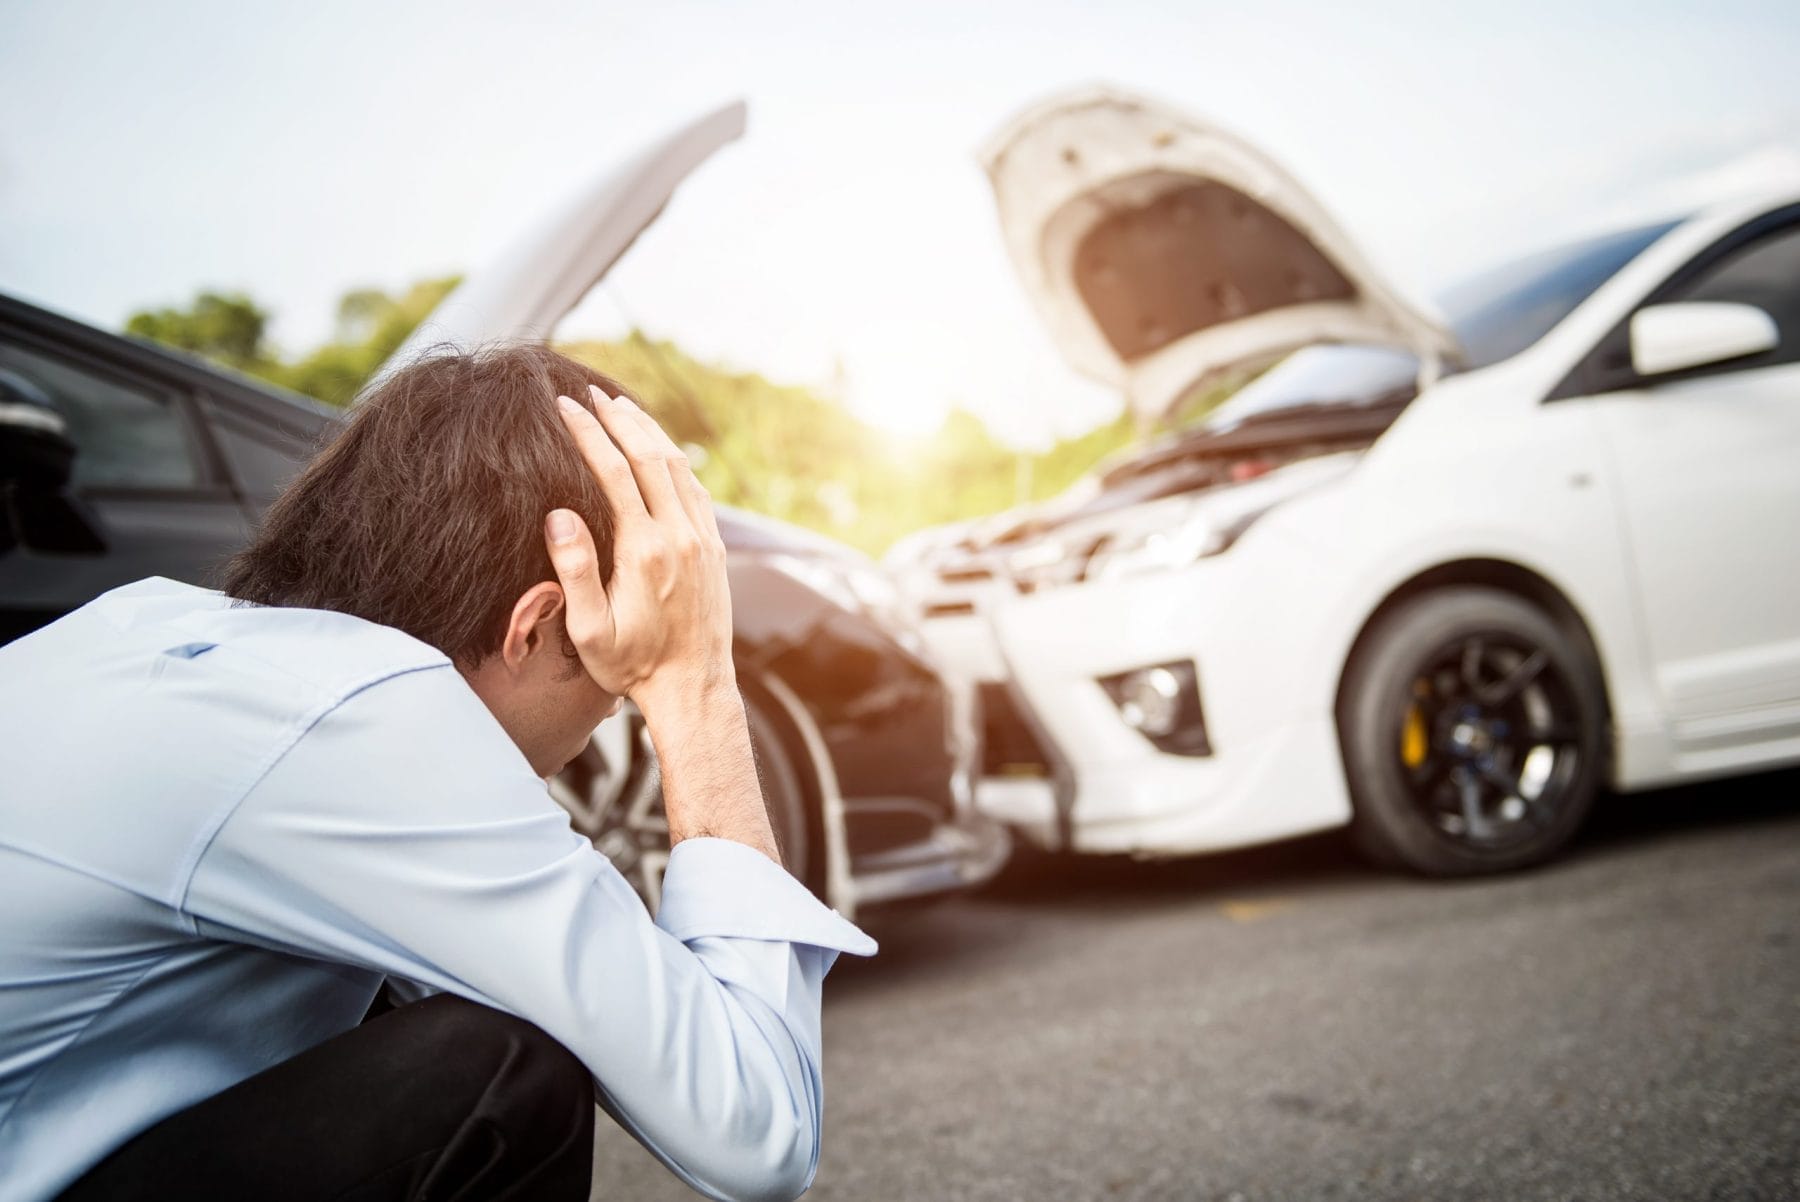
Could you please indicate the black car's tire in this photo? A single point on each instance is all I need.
(618, 804)
(1472, 727)
(782, 792)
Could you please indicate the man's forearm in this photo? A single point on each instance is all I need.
(709, 781)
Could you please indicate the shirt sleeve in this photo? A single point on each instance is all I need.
(404, 832)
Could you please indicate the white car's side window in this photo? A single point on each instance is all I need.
(1764, 273)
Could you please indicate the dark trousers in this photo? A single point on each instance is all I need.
(443, 1099)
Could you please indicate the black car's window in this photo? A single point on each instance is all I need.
(262, 468)
(1764, 273)
(125, 437)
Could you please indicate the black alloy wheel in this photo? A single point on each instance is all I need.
(1472, 728)
(613, 792)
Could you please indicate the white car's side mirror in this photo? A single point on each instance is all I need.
(1666, 338)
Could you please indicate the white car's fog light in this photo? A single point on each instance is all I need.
(1162, 703)
(1152, 701)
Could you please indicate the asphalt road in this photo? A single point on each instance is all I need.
(1286, 1023)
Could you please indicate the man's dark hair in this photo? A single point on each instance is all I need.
(426, 512)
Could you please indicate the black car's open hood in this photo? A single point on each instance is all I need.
(552, 263)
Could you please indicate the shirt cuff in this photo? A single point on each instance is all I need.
(719, 887)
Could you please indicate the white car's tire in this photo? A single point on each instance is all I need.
(1473, 727)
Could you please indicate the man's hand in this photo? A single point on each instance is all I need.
(664, 625)
(660, 633)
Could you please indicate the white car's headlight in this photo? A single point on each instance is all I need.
(1168, 533)
(859, 588)
(1201, 533)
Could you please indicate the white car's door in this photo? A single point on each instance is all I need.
(1707, 467)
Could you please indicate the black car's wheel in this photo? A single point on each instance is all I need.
(1472, 728)
(613, 792)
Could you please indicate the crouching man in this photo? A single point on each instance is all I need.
(227, 819)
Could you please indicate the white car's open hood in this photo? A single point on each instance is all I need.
(1162, 250)
(548, 268)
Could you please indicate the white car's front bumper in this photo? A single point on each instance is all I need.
(1273, 769)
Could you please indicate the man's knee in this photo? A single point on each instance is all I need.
(440, 1098)
(532, 1095)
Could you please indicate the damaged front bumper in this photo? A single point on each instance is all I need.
(954, 855)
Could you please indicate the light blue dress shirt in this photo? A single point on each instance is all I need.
(222, 827)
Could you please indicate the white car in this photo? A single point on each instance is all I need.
(1435, 581)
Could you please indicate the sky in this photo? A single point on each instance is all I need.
(849, 241)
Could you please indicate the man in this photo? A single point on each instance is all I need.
(226, 820)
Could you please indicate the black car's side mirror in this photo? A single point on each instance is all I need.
(36, 459)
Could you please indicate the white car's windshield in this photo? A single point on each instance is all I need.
(1323, 375)
(1501, 312)
(1495, 315)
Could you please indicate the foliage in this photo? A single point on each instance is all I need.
(776, 449)
(788, 452)
(231, 329)
(227, 328)
(371, 325)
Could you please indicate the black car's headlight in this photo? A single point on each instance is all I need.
(859, 588)
(1048, 562)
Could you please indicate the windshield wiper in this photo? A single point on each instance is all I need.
(1199, 442)
(1393, 396)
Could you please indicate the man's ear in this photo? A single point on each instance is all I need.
(535, 624)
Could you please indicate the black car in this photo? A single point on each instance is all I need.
(120, 460)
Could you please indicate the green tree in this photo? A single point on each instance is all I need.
(228, 328)
(231, 329)
(371, 325)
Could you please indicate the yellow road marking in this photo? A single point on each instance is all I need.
(1251, 911)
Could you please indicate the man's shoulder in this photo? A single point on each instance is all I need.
(311, 654)
(145, 715)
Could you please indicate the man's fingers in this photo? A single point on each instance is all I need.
(572, 554)
(699, 504)
(611, 470)
(648, 455)
(695, 500)
(654, 432)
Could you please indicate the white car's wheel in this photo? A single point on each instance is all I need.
(613, 792)
(1472, 728)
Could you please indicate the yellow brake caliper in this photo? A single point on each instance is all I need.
(1413, 743)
